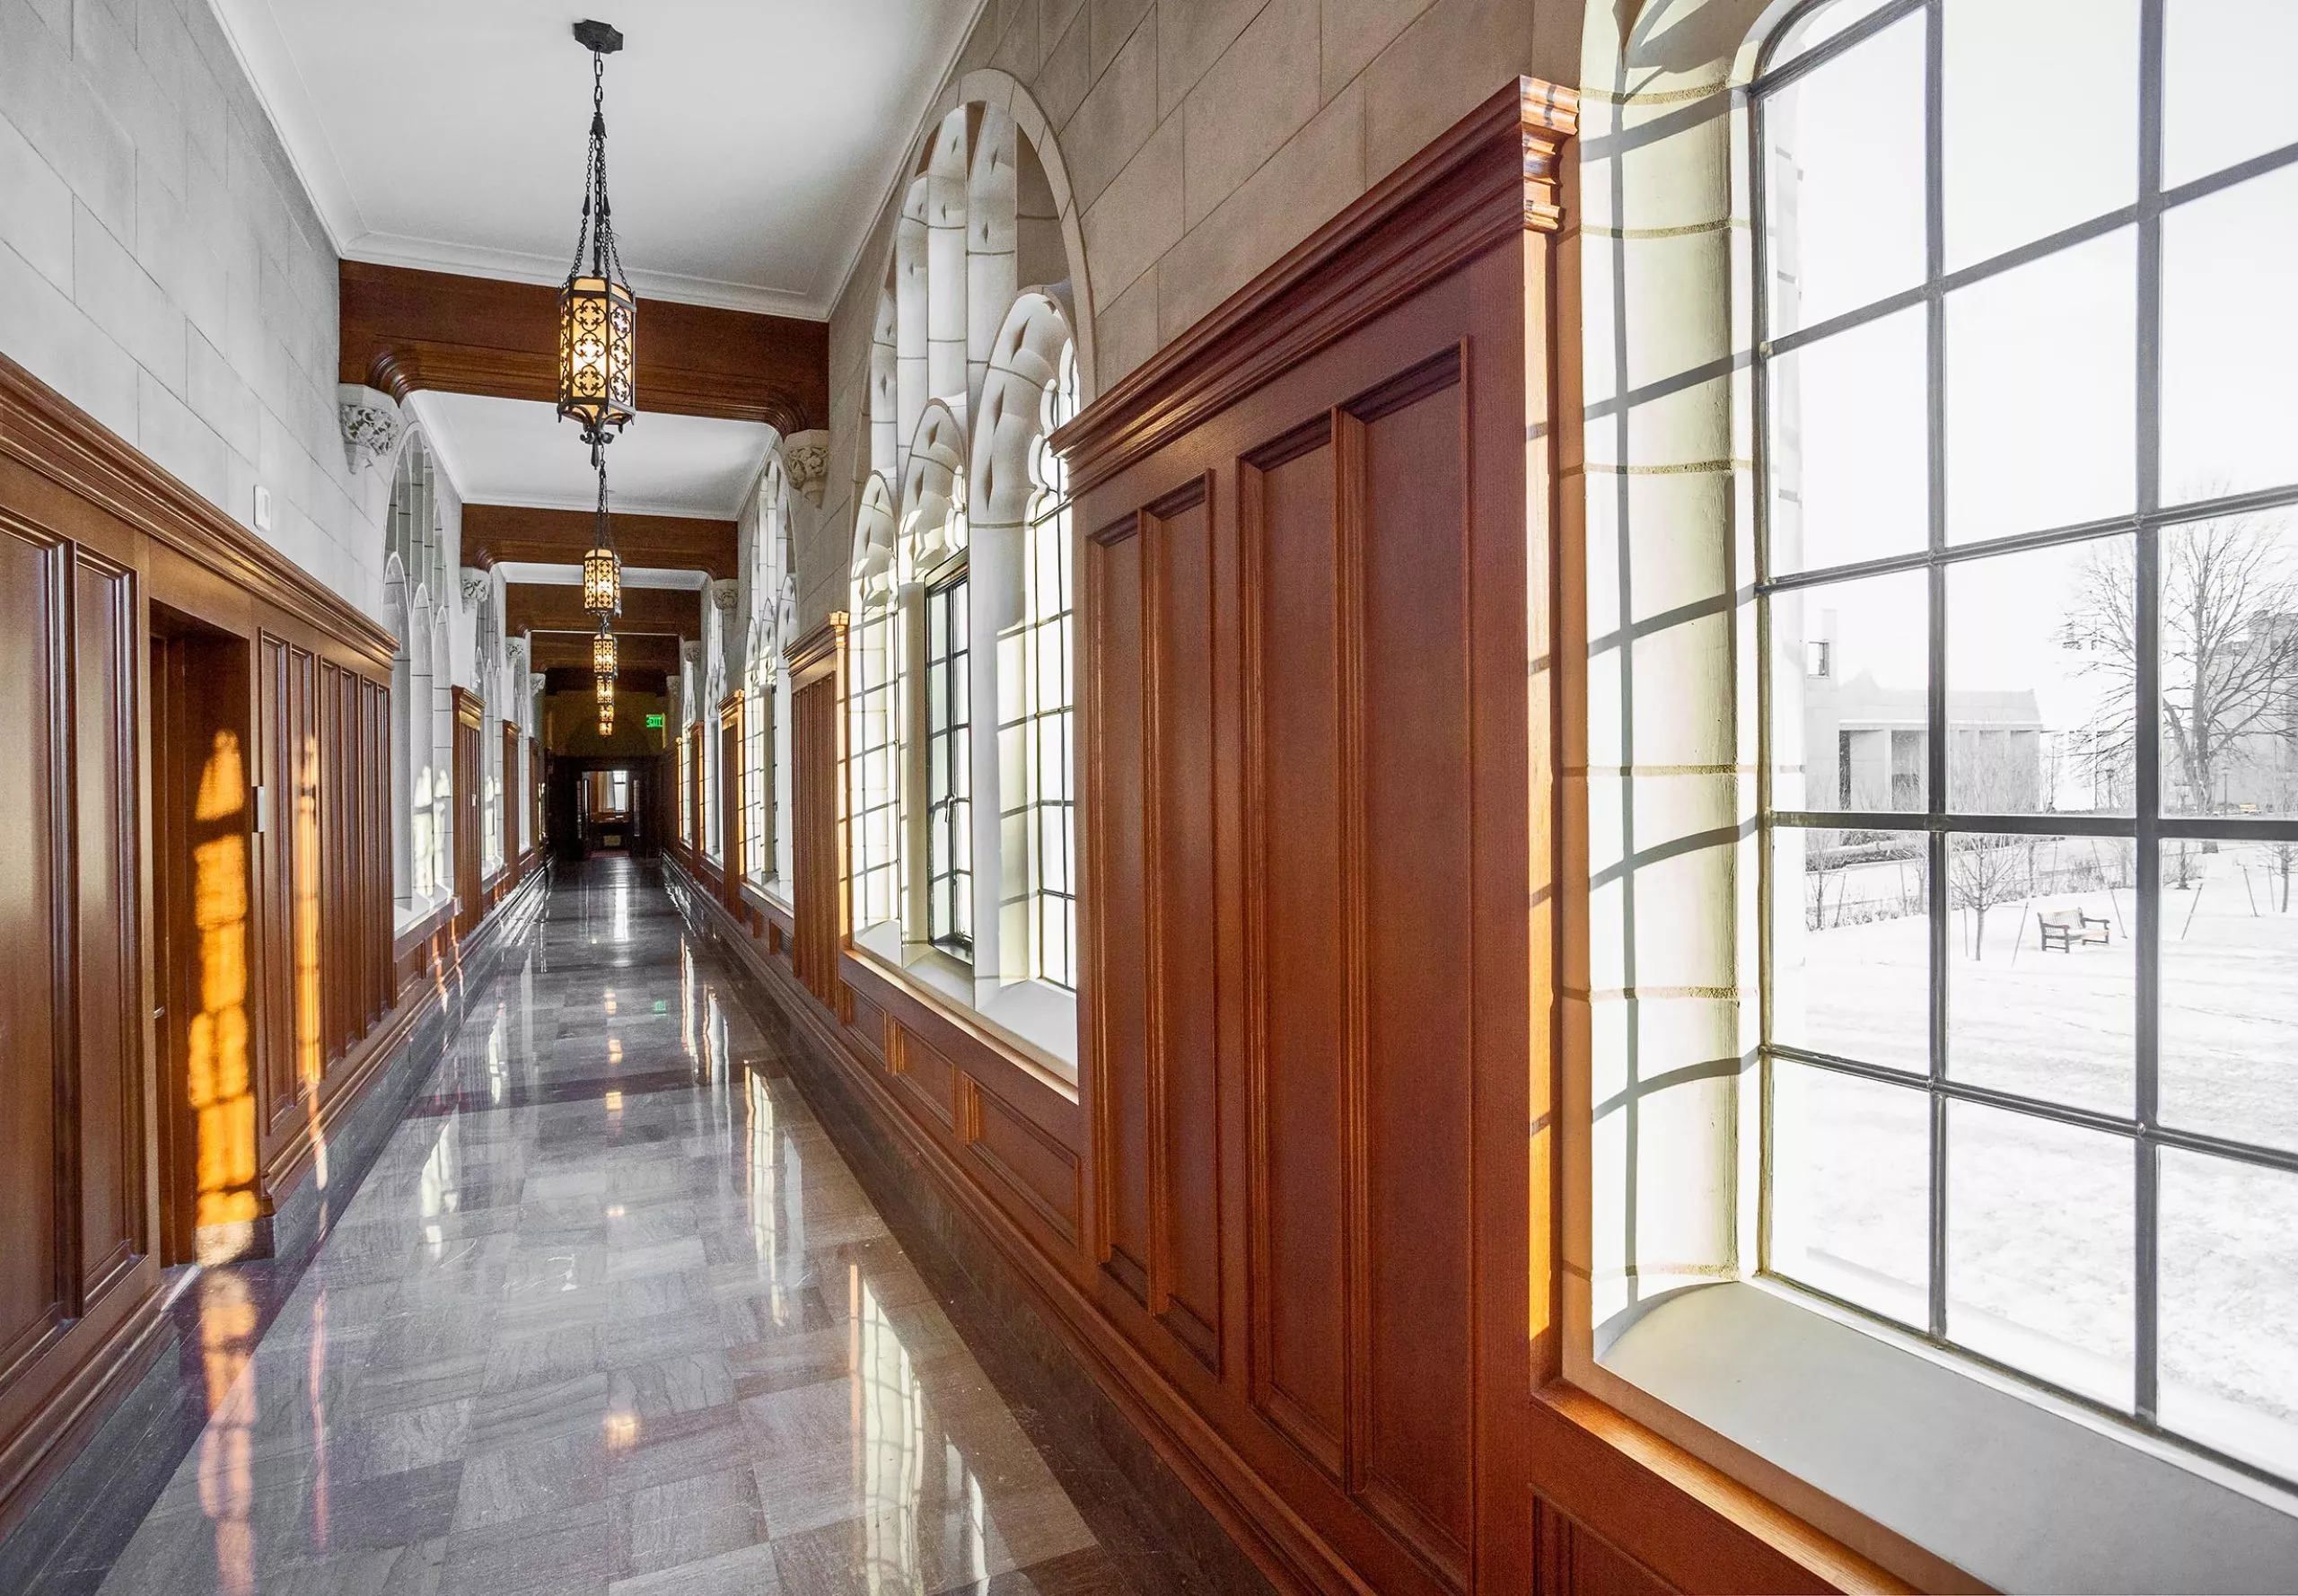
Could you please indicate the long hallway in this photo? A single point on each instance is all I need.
(611, 1314)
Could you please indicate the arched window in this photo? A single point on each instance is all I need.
(487, 669)
(960, 581)
(874, 694)
(933, 603)
(415, 578)
(2027, 578)
(765, 716)
(1048, 663)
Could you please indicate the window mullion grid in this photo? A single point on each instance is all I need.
(1935, 232)
(1767, 835)
(2146, 798)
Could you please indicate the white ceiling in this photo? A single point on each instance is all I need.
(517, 451)
(750, 142)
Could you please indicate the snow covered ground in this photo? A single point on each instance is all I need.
(2041, 1215)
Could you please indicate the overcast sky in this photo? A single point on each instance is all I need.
(2041, 124)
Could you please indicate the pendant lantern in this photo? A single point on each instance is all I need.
(597, 314)
(602, 566)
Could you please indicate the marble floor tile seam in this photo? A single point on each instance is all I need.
(558, 1343)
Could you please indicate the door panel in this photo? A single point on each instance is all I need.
(110, 973)
(31, 1170)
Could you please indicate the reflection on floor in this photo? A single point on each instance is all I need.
(610, 1315)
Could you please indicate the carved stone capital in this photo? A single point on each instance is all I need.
(474, 585)
(805, 456)
(725, 592)
(370, 422)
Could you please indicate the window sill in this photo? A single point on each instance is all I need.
(2010, 1485)
(1013, 1015)
(1039, 1013)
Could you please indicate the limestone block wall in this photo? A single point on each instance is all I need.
(161, 265)
(1198, 140)
(1661, 1004)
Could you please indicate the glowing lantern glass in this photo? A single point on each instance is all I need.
(606, 690)
(597, 315)
(602, 566)
(606, 720)
(603, 653)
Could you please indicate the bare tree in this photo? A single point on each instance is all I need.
(1822, 864)
(2228, 644)
(1991, 773)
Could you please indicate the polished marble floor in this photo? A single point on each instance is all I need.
(610, 1314)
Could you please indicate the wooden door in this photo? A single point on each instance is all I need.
(817, 753)
(730, 793)
(469, 908)
(204, 1129)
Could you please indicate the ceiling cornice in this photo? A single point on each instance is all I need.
(897, 170)
(252, 32)
(251, 29)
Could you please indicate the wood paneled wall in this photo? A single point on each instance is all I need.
(1311, 611)
(195, 902)
(76, 1269)
(1298, 1211)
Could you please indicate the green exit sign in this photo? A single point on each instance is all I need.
(653, 722)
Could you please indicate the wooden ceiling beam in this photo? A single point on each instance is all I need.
(404, 330)
(493, 533)
(645, 654)
(555, 607)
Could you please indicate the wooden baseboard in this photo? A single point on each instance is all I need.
(108, 1364)
(1283, 1546)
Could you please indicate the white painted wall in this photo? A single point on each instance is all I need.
(162, 267)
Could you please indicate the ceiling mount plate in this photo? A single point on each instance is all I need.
(598, 37)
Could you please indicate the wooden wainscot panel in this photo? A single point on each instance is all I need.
(195, 901)
(1568, 1560)
(36, 1251)
(1300, 1070)
(1311, 806)
(108, 931)
(1028, 1168)
(926, 1079)
(1150, 607)
(867, 1023)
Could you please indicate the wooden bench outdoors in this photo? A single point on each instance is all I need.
(2064, 929)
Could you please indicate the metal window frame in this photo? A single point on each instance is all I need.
(951, 809)
(1053, 911)
(878, 693)
(2147, 827)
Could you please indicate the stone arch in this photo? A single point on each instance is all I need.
(874, 531)
(884, 402)
(1037, 155)
(1025, 359)
(933, 493)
